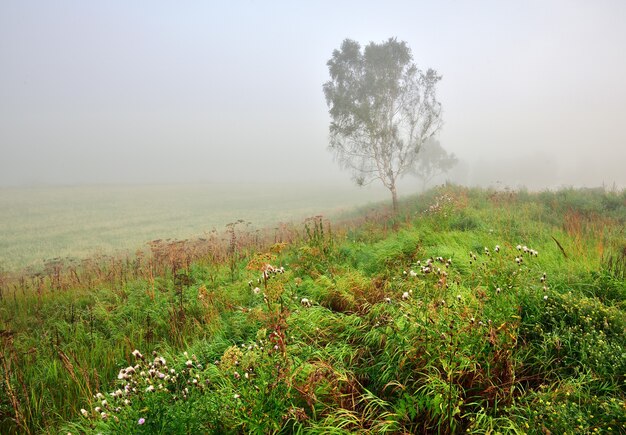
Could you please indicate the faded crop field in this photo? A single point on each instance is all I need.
(48, 222)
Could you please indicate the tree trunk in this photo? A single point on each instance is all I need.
(394, 198)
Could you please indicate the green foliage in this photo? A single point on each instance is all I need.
(429, 328)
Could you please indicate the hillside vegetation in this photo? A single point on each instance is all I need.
(470, 311)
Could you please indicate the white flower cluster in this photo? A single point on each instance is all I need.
(268, 271)
(145, 377)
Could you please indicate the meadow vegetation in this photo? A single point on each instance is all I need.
(468, 311)
(39, 225)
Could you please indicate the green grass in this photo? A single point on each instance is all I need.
(480, 342)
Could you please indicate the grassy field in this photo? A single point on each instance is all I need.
(469, 311)
(76, 222)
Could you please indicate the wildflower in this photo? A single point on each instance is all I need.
(497, 248)
(104, 403)
(236, 396)
(498, 290)
(172, 371)
(256, 290)
(458, 298)
(305, 302)
(412, 273)
(126, 402)
(141, 421)
(84, 412)
(545, 297)
(188, 363)
(472, 320)
(519, 247)
(150, 389)
(98, 409)
(99, 396)
(104, 415)
(388, 300)
(137, 354)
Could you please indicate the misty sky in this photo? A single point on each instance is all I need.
(533, 92)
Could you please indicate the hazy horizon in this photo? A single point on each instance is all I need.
(151, 93)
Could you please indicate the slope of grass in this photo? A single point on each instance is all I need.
(471, 311)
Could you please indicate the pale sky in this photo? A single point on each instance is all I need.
(533, 92)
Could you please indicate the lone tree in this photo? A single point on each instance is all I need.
(383, 109)
(432, 161)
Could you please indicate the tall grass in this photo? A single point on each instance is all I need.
(469, 311)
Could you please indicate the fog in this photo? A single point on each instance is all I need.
(533, 93)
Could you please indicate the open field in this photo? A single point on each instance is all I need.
(77, 222)
(469, 311)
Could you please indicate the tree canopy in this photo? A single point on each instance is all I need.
(383, 108)
(433, 160)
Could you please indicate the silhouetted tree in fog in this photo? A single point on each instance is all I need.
(383, 109)
(432, 161)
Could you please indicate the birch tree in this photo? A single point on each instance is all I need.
(383, 108)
